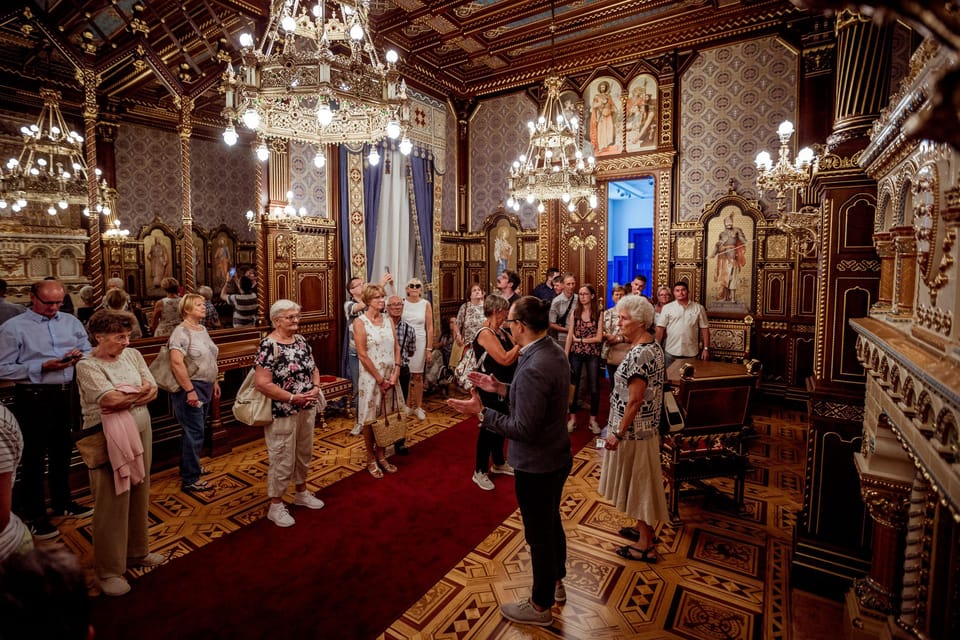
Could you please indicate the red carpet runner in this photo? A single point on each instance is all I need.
(346, 571)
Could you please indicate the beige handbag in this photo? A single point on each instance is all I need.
(163, 372)
(250, 406)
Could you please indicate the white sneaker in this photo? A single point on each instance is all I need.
(308, 500)
(419, 412)
(594, 427)
(571, 424)
(483, 481)
(114, 586)
(278, 515)
(503, 469)
(407, 411)
(357, 429)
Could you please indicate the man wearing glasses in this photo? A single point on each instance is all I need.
(37, 351)
(539, 450)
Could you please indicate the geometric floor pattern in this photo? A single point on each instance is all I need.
(720, 575)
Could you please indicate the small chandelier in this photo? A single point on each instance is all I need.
(553, 168)
(51, 171)
(802, 226)
(316, 78)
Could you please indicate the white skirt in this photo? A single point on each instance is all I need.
(631, 479)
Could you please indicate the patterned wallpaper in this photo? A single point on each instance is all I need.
(732, 99)
(498, 135)
(309, 184)
(148, 179)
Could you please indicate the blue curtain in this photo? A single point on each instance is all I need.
(372, 178)
(344, 244)
(421, 164)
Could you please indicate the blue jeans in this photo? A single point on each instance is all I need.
(592, 364)
(193, 420)
(538, 496)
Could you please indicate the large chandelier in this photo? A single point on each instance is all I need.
(316, 78)
(51, 172)
(553, 168)
(783, 178)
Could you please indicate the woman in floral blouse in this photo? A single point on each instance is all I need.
(630, 476)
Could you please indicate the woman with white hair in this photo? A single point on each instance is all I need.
(211, 317)
(630, 476)
(287, 374)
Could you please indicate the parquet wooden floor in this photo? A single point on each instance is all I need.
(720, 575)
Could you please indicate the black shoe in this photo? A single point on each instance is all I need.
(198, 486)
(401, 450)
(43, 529)
(72, 510)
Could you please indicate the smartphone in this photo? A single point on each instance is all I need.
(66, 359)
(232, 271)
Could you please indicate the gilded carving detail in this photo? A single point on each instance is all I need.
(887, 502)
(833, 162)
(858, 265)
(686, 248)
(312, 247)
(777, 247)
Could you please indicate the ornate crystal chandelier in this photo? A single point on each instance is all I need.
(51, 171)
(316, 78)
(553, 168)
(802, 226)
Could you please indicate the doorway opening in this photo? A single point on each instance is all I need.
(630, 233)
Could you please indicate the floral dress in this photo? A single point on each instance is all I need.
(470, 318)
(380, 349)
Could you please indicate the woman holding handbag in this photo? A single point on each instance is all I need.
(497, 355)
(113, 379)
(379, 354)
(191, 344)
(285, 372)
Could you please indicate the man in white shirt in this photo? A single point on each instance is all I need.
(560, 308)
(682, 325)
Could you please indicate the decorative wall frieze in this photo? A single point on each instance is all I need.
(935, 319)
(870, 266)
(921, 409)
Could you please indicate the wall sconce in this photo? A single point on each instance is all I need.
(784, 177)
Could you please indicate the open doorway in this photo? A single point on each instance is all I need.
(630, 233)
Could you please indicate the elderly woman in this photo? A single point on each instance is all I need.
(630, 476)
(613, 340)
(211, 317)
(118, 300)
(379, 354)
(116, 386)
(497, 355)
(418, 313)
(664, 295)
(190, 344)
(287, 374)
(584, 337)
(166, 311)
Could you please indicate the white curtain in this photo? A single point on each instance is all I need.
(396, 243)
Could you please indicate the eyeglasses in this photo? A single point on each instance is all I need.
(51, 303)
(414, 285)
(295, 318)
(510, 321)
(395, 304)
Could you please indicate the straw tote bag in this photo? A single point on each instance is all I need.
(385, 430)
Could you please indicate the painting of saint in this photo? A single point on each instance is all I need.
(502, 247)
(222, 260)
(730, 254)
(641, 113)
(605, 116)
(159, 264)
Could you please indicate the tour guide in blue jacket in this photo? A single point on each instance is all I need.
(539, 450)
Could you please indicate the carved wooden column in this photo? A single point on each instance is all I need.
(264, 286)
(184, 130)
(883, 243)
(832, 538)
(90, 81)
(905, 278)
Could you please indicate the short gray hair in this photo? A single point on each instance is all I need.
(86, 294)
(638, 308)
(205, 291)
(281, 306)
(114, 283)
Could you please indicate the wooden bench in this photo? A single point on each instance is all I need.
(707, 409)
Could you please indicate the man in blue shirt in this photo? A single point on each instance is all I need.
(545, 290)
(38, 349)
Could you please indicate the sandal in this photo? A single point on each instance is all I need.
(646, 555)
(199, 485)
(374, 470)
(632, 534)
(389, 468)
(205, 472)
